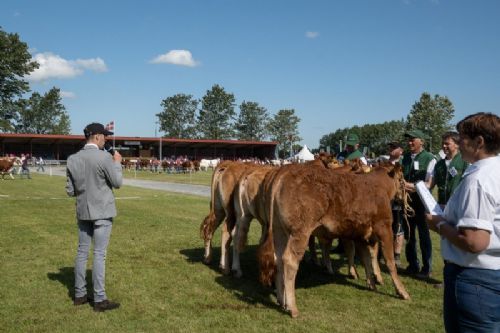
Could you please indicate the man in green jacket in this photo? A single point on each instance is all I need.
(448, 171)
(352, 151)
(418, 165)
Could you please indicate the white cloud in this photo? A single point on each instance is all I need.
(53, 66)
(68, 94)
(312, 34)
(96, 64)
(176, 57)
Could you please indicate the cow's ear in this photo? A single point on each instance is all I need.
(391, 171)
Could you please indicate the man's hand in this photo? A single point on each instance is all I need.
(433, 220)
(409, 187)
(117, 157)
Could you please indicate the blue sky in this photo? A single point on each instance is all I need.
(337, 63)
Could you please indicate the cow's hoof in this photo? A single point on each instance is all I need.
(294, 313)
(237, 273)
(405, 296)
(225, 271)
(207, 260)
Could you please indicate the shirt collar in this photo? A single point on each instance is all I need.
(91, 145)
(479, 164)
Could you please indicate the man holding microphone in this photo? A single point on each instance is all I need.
(92, 173)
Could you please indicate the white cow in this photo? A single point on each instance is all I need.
(205, 164)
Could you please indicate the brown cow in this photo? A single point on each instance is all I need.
(302, 199)
(6, 165)
(248, 205)
(224, 180)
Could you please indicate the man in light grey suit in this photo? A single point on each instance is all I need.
(92, 173)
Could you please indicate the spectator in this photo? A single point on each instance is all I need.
(470, 232)
(25, 170)
(40, 164)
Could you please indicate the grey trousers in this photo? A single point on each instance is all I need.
(100, 232)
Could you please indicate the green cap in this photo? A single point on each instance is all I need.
(352, 139)
(416, 134)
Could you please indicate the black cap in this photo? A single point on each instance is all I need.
(95, 128)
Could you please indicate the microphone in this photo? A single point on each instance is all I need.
(109, 148)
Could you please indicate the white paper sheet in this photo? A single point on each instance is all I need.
(428, 200)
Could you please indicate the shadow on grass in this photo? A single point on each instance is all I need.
(249, 290)
(66, 276)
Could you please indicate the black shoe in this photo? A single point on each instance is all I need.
(424, 275)
(411, 270)
(105, 306)
(82, 300)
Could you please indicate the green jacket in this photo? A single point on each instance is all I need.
(413, 174)
(448, 178)
(351, 156)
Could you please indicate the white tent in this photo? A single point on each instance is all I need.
(304, 155)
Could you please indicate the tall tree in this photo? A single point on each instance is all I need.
(252, 122)
(432, 115)
(284, 128)
(15, 63)
(215, 120)
(177, 119)
(43, 114)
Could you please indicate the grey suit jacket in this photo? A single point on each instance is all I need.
(91, 176)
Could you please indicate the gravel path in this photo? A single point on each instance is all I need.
(200, 190)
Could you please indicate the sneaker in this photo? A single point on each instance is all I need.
(105, 306)
(82, 300)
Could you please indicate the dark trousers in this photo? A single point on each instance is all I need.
(418, 223)
(471, 299)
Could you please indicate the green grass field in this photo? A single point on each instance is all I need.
(197, 178)
(154, 269)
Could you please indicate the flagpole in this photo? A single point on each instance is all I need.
(114, 135)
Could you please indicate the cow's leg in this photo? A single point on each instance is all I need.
(291, 258)
(375, 265)
(364, 252)
(350, 252)
(326, 245)
(386, 241)
(224, 248)
(239, 235)
(280, 240)
(312, 251)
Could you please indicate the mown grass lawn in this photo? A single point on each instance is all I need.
(197, 178)
(154, 269)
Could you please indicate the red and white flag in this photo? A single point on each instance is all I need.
(110, 126)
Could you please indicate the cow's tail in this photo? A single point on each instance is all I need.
(208, 226)
(265, 253)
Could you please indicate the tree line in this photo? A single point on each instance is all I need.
(430, 114)
(215, 117)
(38, 113)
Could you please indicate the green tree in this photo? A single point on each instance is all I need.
(15, 63)
(177, 119)
(252, 122)
(432, 115)
(43, 114)
(373, 136)
(215, 120)
(284, 128)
